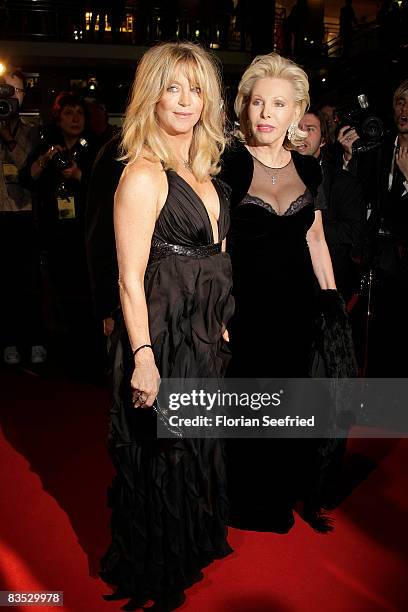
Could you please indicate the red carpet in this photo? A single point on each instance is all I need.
(54, 521)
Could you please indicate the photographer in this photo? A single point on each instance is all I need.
(385, 176)
(58, 172)
(20, 309)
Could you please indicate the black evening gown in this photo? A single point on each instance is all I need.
(168, 498)
(275, 289)
(272, 333)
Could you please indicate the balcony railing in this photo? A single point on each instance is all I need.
(126, 23)
(76, 21)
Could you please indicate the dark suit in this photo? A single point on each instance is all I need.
(100, 237)
(388, 257)
(394, 202)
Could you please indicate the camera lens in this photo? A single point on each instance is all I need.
(372, 128)
(61, 161)
(5, 109)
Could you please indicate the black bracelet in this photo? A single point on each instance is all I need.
(140, 348)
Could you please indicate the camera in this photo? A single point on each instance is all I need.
(8, 104)
(369, 128)
(63, 159)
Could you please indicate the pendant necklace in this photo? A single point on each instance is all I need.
(273, 173)
(187, 164)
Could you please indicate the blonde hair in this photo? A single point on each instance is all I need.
(401, 91)
(141, 129)
(276, 66)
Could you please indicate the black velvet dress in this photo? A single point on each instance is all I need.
(168, 498)
(274, 284)
(275, 290)
(273, 327)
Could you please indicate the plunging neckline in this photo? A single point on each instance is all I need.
(200, 199)
(268, 206)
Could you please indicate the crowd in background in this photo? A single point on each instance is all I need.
(46, 210)
(45, 174)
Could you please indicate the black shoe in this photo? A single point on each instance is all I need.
(275, 521)
(116, 595)
(282, 523)
(169, 602)
(134, 604)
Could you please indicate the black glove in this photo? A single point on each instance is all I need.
(331, 305)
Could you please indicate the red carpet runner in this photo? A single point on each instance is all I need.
(54, 521)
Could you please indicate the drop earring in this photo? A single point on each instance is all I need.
(292, 131)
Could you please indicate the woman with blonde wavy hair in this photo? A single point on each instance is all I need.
(171, 217)
(278, 252)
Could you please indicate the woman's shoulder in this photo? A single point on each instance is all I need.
(142, 175)
(144, 166)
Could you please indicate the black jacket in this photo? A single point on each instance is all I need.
(393, 203)
(386, 243)
(45, 186)
(388, 209)
(237, 169)
(100, 236)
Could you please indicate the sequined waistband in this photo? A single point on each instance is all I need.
(159, 250)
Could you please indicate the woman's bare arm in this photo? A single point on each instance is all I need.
(135, 212)
(319, 254)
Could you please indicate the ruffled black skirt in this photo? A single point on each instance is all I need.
(168, 498)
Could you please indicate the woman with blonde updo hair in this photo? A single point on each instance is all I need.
(278, 252)
(171, 217)
(274, 66)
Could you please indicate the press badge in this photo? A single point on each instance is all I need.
(66, 208)
(10, 173)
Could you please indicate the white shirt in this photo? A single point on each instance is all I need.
(391, 174)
